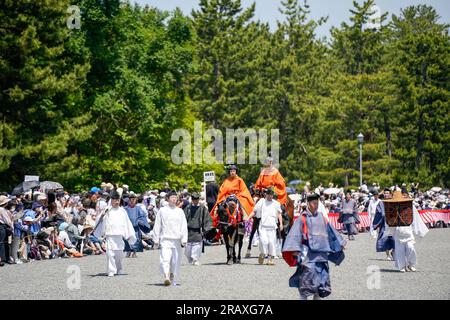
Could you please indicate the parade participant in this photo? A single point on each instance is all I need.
(138, 218)
(235, 185)
(114, 225)
(198, 222)
(349, 210)
(384, 243)
(268, 211)
(310, 243)
(371, 210)
(405, 253)
(171, 234)
(271, 177)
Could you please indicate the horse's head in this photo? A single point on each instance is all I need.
(227, 206)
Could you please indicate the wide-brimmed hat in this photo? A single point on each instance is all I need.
(28, 219)
(131, 194)
(41, 197)
(398, 197)
(88, 226)
(63, 226)
(195, 196)
(36, 205)
(4, 200)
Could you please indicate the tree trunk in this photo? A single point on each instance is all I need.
(387, 132)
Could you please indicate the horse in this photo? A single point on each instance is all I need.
(231, 225)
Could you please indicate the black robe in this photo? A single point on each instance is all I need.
(198, 221)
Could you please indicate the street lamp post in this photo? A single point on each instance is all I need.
(360, 140)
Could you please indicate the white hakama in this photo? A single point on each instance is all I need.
(268, 241)
(404, 253)
(269, 212)
(170, 231)
(193, 251)
(170, 257)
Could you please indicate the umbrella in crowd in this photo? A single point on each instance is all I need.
(332, 191)
(51, 185)
(290, 190)
(294, 197)
(25, 186)
(294, 182)
(436, 189)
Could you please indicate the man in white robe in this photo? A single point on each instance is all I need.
(171, 233)
(371, 210)
(115, 226)
(269, 211)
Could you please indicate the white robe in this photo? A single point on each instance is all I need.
(193, 251)
(114, 227)
(268, 211)
(170, 231)
(371, 210)
(405, 253)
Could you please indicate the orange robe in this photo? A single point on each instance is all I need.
(236, 186)
(273, 179)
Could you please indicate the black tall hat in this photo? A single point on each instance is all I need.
(232, 167)
(115, 195)
(312, 197)
(172, 193)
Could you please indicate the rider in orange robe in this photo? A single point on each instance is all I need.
(235, 185)
(271, 177)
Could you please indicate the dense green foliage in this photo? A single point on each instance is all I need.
(100, 103)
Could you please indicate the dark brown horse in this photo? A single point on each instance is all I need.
(231, 225)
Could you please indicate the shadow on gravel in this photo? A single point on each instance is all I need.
(381, 260)
(389, 270)
(103, 274)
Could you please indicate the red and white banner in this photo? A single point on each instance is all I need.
(428, 216)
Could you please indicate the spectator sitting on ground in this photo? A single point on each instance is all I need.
(73, 231)
(64, 239)
(89, 246)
